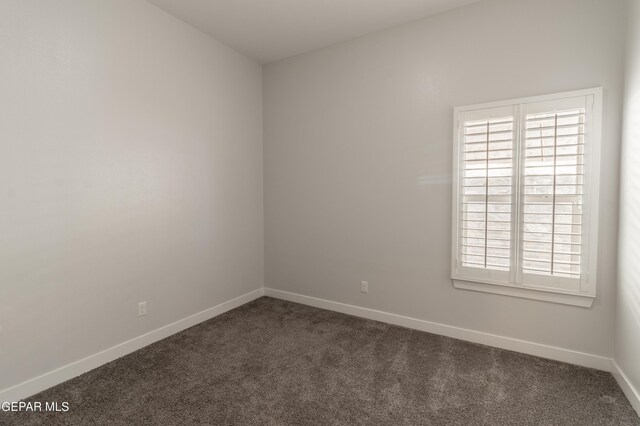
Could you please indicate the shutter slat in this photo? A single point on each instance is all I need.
(483, 123)
(572, 135)
(495, 132)
(556, 252)
(571, 115)
(549, 242)
(491, 141)
(553, 127)
(547, 157)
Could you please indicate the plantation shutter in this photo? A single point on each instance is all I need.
(486, 193)
(525, 197)
(553, 169)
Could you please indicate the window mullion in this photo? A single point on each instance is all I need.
(516, 273)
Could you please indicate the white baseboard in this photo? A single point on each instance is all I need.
(76, 368)
(551, 352)
(632, 394)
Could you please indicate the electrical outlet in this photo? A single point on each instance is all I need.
(364, 287)
(142, 309)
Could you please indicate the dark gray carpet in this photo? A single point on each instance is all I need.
(274, 362)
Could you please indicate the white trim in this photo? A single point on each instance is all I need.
(592, 197)
(632, 394)
(531, 348)
(76, 368)
(584, 301)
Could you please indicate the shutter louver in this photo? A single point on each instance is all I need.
(553, 176)
(486, 196)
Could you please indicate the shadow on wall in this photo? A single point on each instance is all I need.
(630, 227)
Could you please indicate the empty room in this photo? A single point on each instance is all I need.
(320, 212)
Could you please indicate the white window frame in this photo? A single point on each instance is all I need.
(512, 283)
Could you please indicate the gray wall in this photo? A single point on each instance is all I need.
(627, 346)
(358, 153)
(130, 170)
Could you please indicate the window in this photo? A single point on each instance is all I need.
(525, 197)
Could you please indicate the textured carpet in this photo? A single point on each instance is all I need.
(274, 362)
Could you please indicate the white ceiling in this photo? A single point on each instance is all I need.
(269, 30)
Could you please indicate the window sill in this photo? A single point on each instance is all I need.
(581, 300)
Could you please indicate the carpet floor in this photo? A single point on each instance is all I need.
(272, 362)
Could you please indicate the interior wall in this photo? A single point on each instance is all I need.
(358, 160)
(627, 344)
(130, 170)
